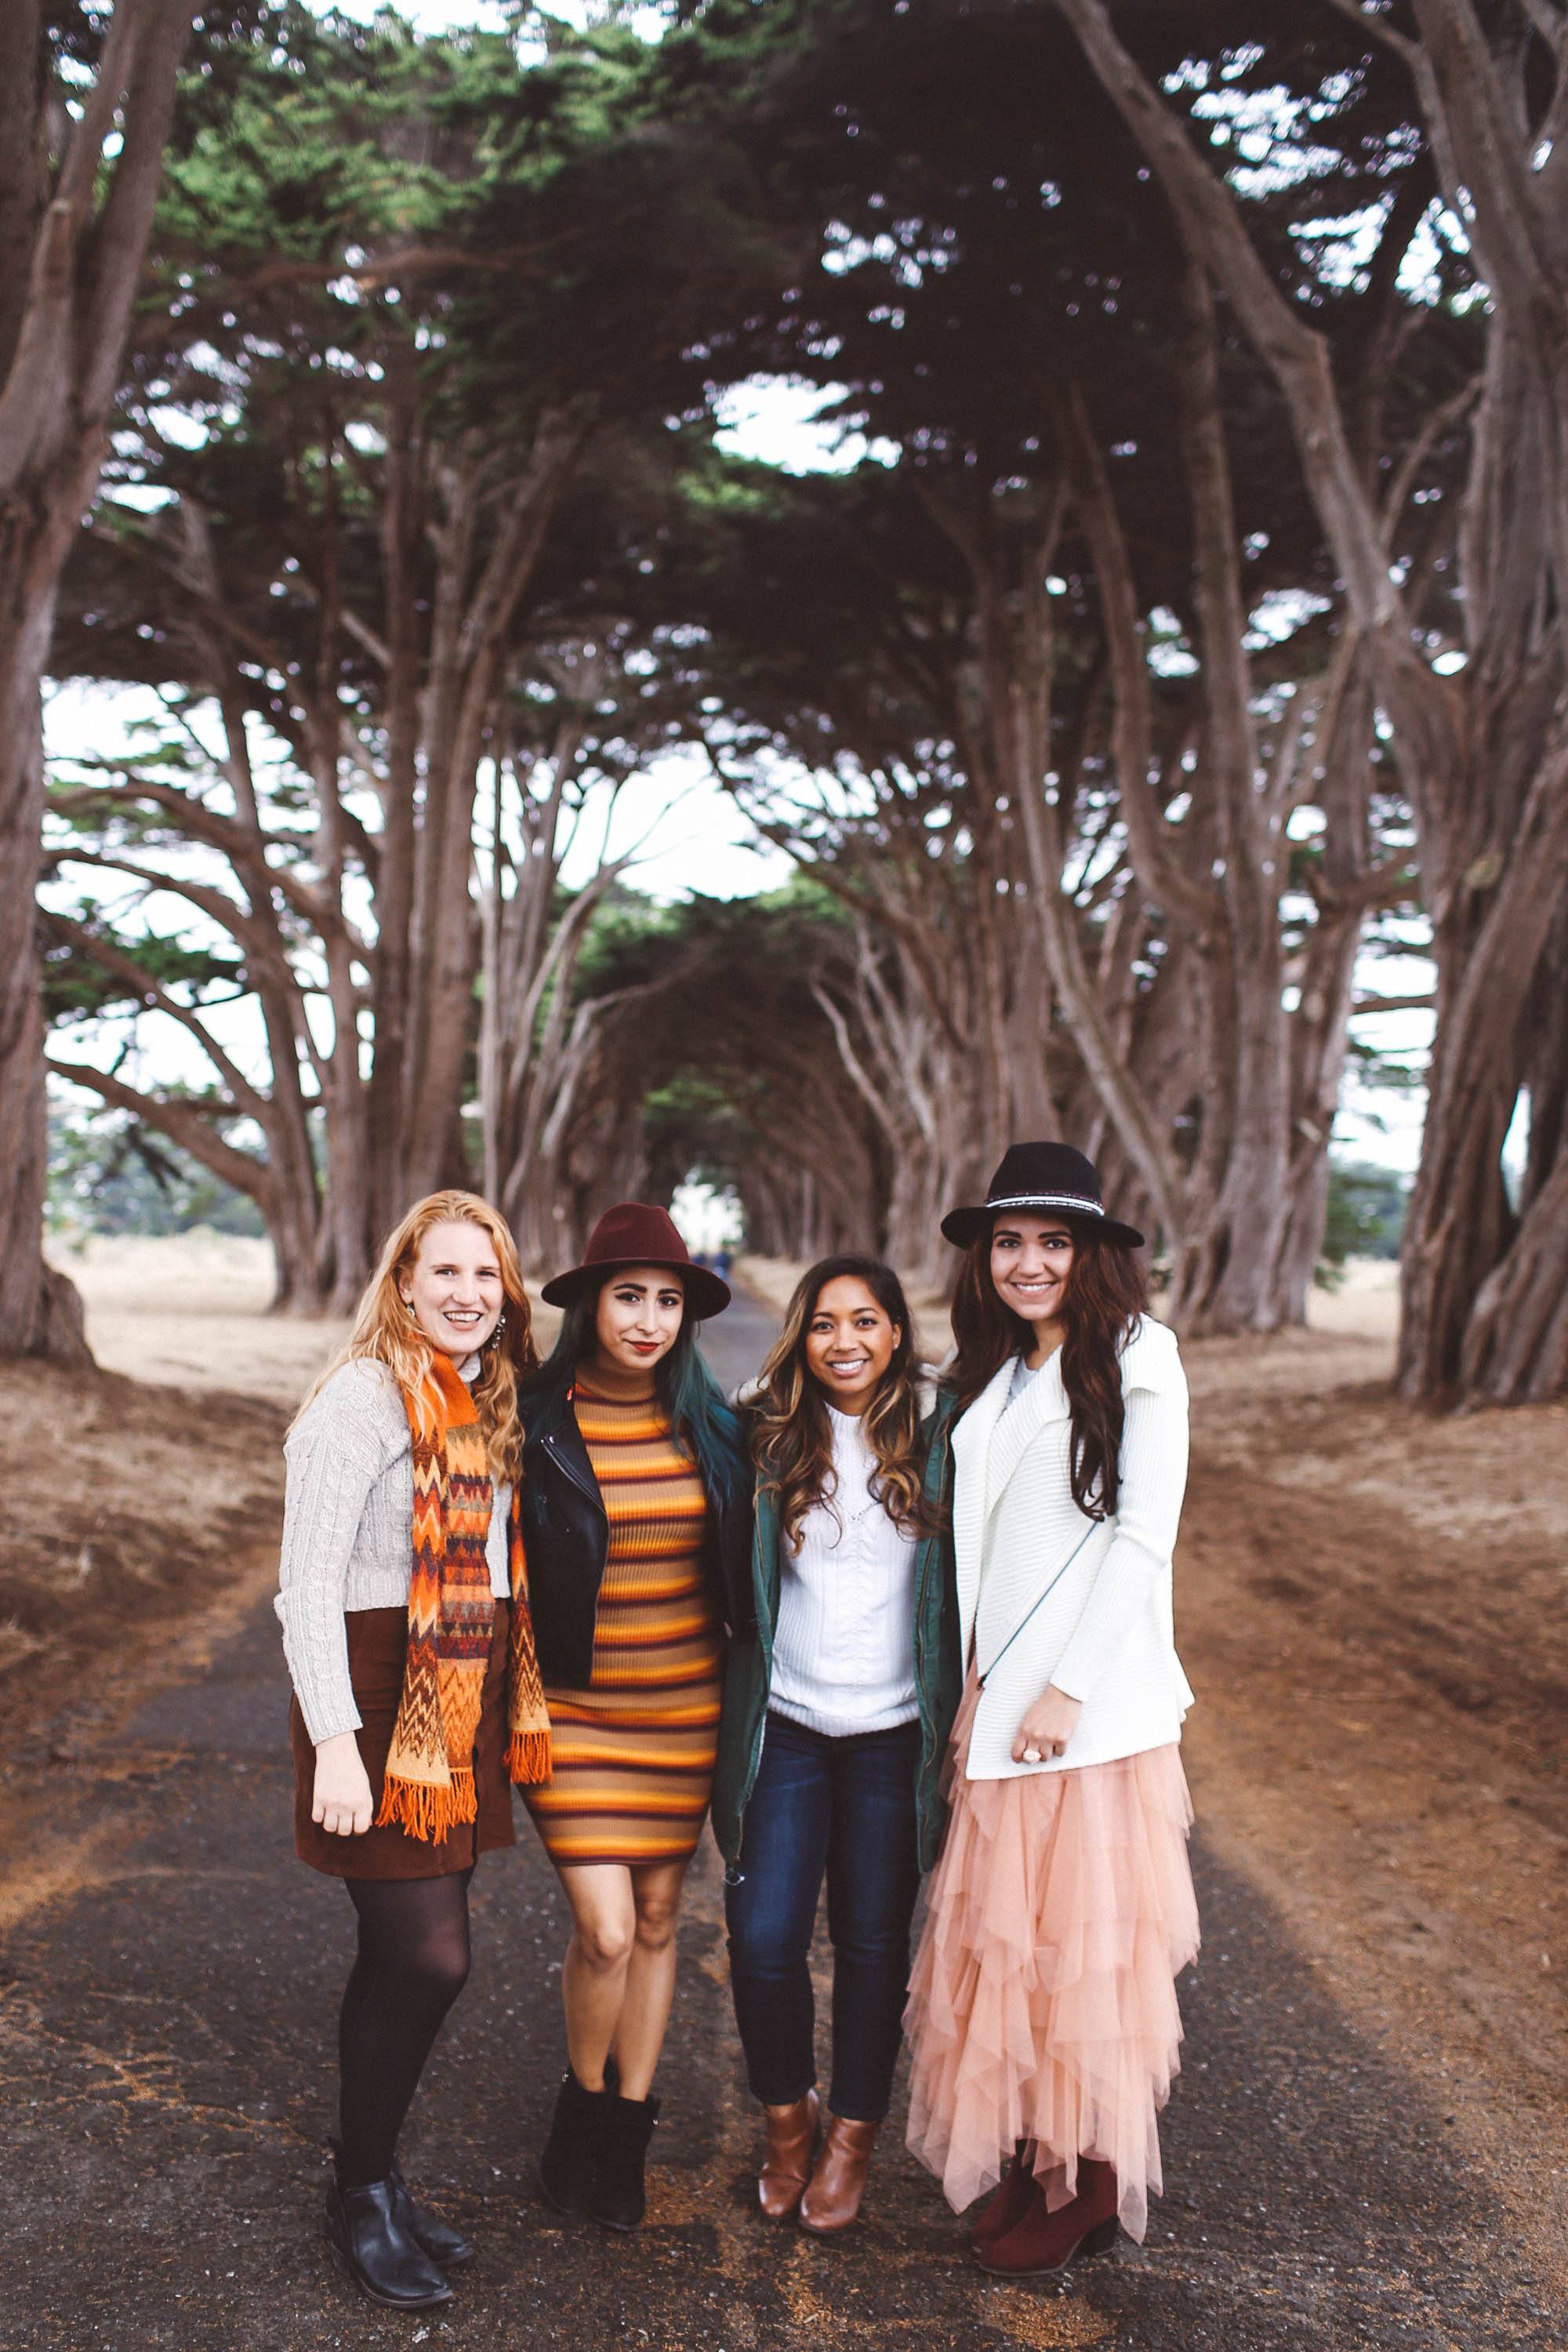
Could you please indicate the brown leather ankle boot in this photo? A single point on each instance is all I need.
(787, 2158)
(833, 2197)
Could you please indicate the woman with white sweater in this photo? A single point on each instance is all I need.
(417, 1699)
(839, 1692)
(1042, 2018)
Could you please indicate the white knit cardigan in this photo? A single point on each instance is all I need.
(1102, 1629)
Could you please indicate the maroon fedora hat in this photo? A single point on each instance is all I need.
(633, 1233)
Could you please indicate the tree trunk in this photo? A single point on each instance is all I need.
(39, 1314)
(66, 299)
(463, 699)
(1481, 758)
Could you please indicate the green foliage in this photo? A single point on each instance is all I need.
(1366, 1217)
(694, 1127)
(76, 989)
(110, 1175)
(934, 207)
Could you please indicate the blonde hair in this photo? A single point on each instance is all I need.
(385, 1332)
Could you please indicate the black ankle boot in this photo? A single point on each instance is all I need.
(616, 2198)
(448, 2248)
(372, 2247)
(571, 2152)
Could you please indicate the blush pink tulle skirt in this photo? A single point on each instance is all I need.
(1042, 2001)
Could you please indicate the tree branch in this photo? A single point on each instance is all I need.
(1380, 30)
(185, 1123)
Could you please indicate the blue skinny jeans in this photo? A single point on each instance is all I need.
(843, 1809)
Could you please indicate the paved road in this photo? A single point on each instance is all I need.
(736, 1342)
(166, 2082)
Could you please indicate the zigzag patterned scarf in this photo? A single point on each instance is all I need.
(429, 1784)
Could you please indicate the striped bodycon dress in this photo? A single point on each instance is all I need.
(632, 1755)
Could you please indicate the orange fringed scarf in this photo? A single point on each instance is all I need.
(429, 1784)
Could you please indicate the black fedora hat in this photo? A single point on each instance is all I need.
(1039, 1176)
(633, 1233)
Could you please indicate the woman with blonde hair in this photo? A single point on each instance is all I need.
(417, 1697)
(840, 1693)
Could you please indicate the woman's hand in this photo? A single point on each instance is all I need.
(1047, 1727)
(342, 1802)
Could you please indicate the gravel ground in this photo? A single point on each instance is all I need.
(1367, 2053)
(166, 2083)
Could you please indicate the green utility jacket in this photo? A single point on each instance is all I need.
(938, 1677)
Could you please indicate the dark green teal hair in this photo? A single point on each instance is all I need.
(706, 1424)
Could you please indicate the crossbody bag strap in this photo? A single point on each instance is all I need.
(987, 1672)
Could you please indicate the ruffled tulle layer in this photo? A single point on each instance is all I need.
(1042, 2003)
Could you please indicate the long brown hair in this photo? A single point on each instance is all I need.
(792, 1436)
(1106, 1294)
(385, 1331)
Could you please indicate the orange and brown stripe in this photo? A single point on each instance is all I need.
(633, 1754)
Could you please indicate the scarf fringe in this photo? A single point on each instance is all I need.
(443, 1688)
(528, 1760)
(428, 1810)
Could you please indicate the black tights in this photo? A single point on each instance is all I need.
(413, 1963)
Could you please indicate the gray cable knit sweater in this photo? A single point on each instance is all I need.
(347, 1532)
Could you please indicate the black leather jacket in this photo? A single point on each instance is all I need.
(566, 1534)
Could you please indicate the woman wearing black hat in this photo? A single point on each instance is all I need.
(635, 1524)
(1042, 2017)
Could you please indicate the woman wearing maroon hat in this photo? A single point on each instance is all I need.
(1042, 2017)
(636, 1531)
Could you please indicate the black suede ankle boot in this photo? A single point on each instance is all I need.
(373, 2248)
(617, 2197)
(571, 2152)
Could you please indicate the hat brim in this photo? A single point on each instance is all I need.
(707, 1293)
(963, 1226)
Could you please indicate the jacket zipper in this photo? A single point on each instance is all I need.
(565, 1466)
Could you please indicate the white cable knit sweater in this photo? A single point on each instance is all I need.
(844, 1650)
(347, 1532)
(1046, 1595)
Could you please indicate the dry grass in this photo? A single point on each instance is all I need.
(191, 1310)
(130, 1508)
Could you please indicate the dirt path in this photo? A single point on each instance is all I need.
(1371, 1610)
(1372, 1601)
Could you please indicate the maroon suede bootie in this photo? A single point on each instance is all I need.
(1008, 2203)
(1043, 2242)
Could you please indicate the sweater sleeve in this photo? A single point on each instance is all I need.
(334, 1454)
(1153, 1476)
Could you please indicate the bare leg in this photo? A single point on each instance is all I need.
(593, 1979)
(649, 1977)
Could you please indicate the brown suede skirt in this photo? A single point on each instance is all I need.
(378, 1640)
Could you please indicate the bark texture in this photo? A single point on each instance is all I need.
(73, 232)
(1483, 756)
